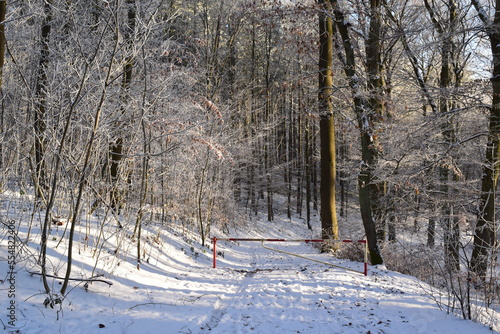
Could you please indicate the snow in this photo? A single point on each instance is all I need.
(252, 290)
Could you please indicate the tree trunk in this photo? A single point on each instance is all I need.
(3, 41)
(289, 158)
(268, 139)
(308, 165)
(343, 149)
(392, 226)
(39, 127)
(364, 114)
(364, 190)
(329, 224)
(431, 233)
(486, 229)
(40, 104)
(299, 156)
(117, 147)
(314, 167)
(376, 103)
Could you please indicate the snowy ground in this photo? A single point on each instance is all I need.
(252, 290)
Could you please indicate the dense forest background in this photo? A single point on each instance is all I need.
(203, 113)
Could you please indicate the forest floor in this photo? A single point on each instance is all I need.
(252, 290)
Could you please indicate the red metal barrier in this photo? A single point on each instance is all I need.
(214, 241)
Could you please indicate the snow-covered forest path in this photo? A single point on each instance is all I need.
(284, 294)
(252, 290)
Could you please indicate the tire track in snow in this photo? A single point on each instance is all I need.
(286, 295)
(221, 307)
(262, 286)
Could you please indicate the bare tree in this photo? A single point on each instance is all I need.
(3, 42)
(486, 228)
(87, 157)
(40, 114)
(449, 79)
(117, 148)
(366, 110)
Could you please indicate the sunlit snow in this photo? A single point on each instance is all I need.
(252, 290)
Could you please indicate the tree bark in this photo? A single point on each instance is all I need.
(117, 147)
(41, 100)
(486, 229)
(376, 103)
(343, 149)
(329, 224)
(3, 42)
(364, 115)
(308, 159)
(39, 127)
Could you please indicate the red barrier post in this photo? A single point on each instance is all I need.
(366, 257)
(214, 241)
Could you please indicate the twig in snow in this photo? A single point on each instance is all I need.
(76, 279)
(144, 304)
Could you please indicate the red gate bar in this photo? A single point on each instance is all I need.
(214, 241)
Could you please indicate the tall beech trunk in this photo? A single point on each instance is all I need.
(269, 133)
(308, 160)
(329, 224)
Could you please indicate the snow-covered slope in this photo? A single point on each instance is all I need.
(252, 290)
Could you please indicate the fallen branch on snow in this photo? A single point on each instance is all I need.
(75, 279)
